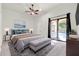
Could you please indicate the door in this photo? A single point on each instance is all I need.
(54, 29)
(58, 29)
(62, 29)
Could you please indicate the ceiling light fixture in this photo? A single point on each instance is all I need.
(32, 10)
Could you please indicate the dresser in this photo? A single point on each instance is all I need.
(72, 46)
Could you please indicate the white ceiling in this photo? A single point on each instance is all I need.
(20, 7)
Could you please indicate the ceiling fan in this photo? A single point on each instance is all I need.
(32, 11)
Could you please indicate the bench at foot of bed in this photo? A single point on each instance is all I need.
(36, 45)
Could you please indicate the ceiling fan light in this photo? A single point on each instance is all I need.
(32, 13)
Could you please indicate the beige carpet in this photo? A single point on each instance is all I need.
(5, 49)
(59, 49)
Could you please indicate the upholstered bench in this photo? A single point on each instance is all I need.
(38, 44)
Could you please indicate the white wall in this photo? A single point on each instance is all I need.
(57, 10)
(9, 16)
(0, 29)
(38, 23)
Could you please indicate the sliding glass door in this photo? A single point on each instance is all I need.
(58, 29)
(62, 29)
(54, 29)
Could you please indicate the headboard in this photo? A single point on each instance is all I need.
(19, 31)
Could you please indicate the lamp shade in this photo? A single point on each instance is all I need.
(31, 29)
(6, 29)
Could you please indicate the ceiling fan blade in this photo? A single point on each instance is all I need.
(32, 5)
(36, 10)
(31, 9)
(36, 13)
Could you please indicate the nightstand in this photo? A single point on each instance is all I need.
(7, 37)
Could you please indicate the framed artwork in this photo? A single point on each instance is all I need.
(19, 24)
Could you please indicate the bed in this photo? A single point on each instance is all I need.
(21, 41)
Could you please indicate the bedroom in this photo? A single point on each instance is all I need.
(14, 15)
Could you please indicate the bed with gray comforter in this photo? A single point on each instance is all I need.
(22, 41)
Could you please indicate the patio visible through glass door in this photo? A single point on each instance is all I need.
(62, 29)
(58, 29)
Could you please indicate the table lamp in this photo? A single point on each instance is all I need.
(31, 30)
(6, 30)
